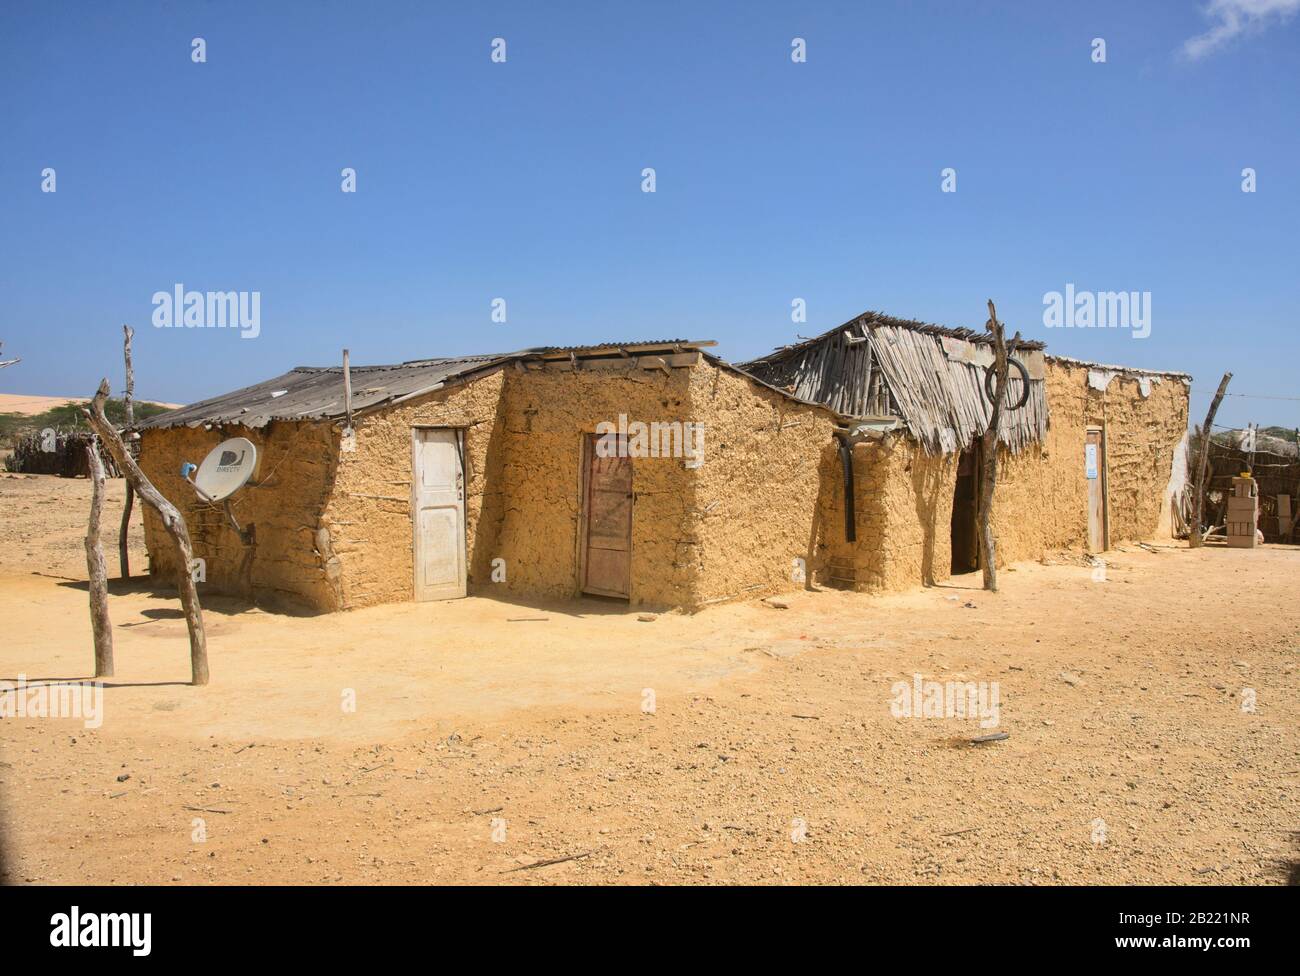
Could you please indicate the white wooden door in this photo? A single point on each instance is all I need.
(438, 514)
(1094, 469)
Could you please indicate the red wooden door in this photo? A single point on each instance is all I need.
(607, 562)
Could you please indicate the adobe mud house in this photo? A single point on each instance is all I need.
(487, 471)
(1092, 457)
(459, 463)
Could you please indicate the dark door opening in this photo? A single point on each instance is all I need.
(965, 505)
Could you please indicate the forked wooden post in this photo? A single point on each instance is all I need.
(128, 403)
(96, 571)
(989, 451)
(1194, 536)
(172, 522)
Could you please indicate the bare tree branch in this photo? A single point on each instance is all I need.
(96, 570)
(989, 450)
(172, 522)
(1194, 534)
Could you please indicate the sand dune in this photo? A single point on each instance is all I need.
(28, 406)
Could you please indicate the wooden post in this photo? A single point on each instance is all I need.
(96, 571)
(1295, 496)
(123, 554)
(172, 522)
(347, 389)
(1194, 537)
(989, 451)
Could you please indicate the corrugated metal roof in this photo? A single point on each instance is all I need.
(649, 343)
(316, 392)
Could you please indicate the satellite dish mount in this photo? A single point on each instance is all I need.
(223, 472)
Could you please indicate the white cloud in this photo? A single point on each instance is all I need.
(1234, 17)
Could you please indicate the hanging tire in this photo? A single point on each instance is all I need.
(990, 377)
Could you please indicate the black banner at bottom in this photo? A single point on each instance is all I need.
(333, 925)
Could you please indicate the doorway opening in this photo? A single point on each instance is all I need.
(606, 539)
(965, 507)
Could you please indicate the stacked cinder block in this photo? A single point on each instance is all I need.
(1243, 512)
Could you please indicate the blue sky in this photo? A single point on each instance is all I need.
(522, 180)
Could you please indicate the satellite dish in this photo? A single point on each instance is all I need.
(226, 468)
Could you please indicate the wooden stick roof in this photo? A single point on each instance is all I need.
(929, 376)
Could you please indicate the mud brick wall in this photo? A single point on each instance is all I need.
(836, 556)
(547, 414)
(282, 502)
(758, 503)
(333, 530)
(524, 445)
(903, 504)
(366, 523)
(1043, 501)
(1141, 436)
(904, 497)
(915, 507)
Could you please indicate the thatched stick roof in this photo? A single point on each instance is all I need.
(929, 376)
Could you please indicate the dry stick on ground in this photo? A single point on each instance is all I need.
(989, 450)
(123, 557)
(172, 522)
(547, 863)
(1194, 537)
(96, 570)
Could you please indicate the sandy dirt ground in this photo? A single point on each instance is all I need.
(489, 738)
